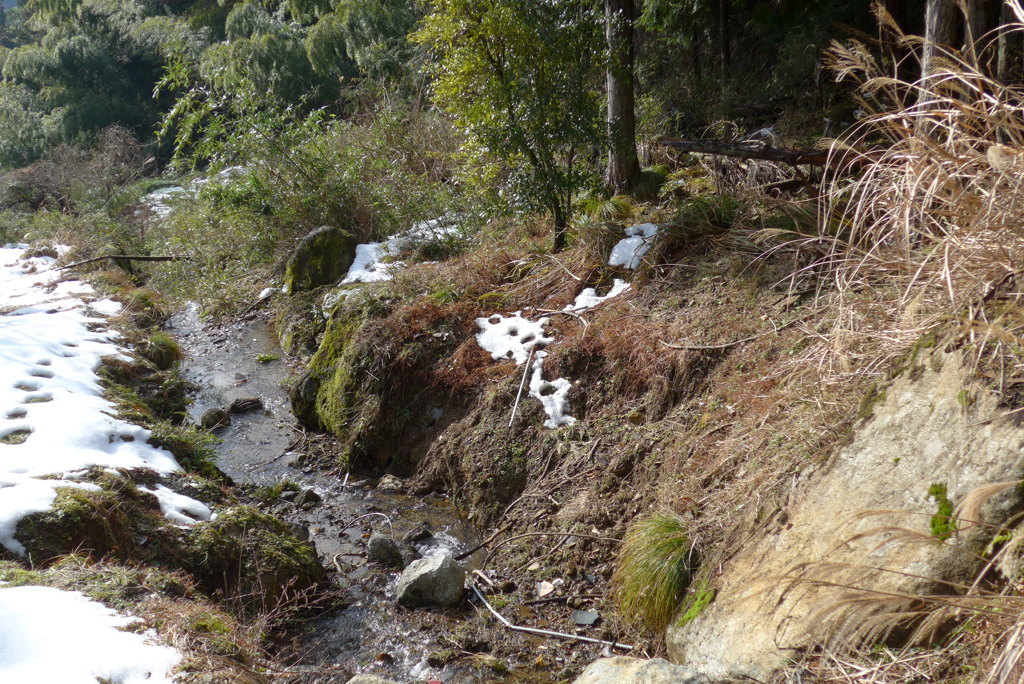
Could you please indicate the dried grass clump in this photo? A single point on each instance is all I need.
(653, 570)
(932, 230)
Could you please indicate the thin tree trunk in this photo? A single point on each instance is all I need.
(561, 222)
(941, 24)
(724, 20)
(623, 165)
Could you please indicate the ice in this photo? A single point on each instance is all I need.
(629, 252)
(49, 635)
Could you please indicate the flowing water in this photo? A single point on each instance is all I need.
(264, 447)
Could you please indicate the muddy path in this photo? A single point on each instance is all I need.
(263, 449)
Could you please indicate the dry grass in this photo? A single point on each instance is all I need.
(932, 230)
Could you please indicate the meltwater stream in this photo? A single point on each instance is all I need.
(228, 362)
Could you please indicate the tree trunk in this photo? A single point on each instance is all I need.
(941, 24)
(561, 221)
(623, 165)
(982, 17)
(724, 19)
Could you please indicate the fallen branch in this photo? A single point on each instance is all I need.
(749, 150)
(755, 150)
(519, 394)
(484, 543)
(125, 257)
(545, 632)
(726, 345)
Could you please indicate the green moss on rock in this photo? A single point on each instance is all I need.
(321, 258)
(252, 556)
(93, 522)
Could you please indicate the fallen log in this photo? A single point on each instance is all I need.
(749, 150)
(125, 257)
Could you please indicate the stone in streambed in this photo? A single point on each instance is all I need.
(370, 679)
(622, 669)
(383, 550)
(214, 418)
(435, 581)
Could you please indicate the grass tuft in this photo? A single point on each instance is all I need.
(653, 570)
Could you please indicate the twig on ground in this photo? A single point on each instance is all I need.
(726, 345)
(522, 384)
(544, 534)
(545, 632)
(484, 543)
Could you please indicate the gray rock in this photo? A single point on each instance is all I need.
(214, 418)
(435, 581)
(418, 533)
(382, 549)
(370, 679)
(621, 669)
(307, 496)
(322, 257)
(585, 617)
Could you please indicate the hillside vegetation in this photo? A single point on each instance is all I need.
(782, 442)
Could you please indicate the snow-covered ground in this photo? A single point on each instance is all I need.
(630, 251)
(54, 421)
(370, 265)
(55, 425)
(49, 636)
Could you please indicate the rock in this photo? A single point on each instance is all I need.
(622, 669)
(544, 588)
(409, 554)
(300, 531)
(245, 405)
(438, 580)
(370, 679)
(214, 418)
(585, 617)
(321, 258)
(303, 400)
(307, 496)
(918, 437)
(418, 533)
(390, 483)
(383, 550)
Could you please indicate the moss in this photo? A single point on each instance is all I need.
(699, 598)
(943, 525)
(872, 398)
(89, 521)
(251, 556)
(300, 323)
(16, 437)
(322, 257)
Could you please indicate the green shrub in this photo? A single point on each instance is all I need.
(653, 570)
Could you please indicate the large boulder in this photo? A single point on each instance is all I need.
(620, 670)
(869, 528)
(434, 581)
(321, 258)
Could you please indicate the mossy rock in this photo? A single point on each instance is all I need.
(300, 323)
(321, 258)
(325, 397)
(94, 522)
(252, 556)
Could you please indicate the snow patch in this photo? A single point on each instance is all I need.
(553, 395)
(49, 635)
(178, 508)
(631, 250)
(589, 298)
(370, 266)
(511, 337)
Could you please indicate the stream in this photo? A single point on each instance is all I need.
(242, 360)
